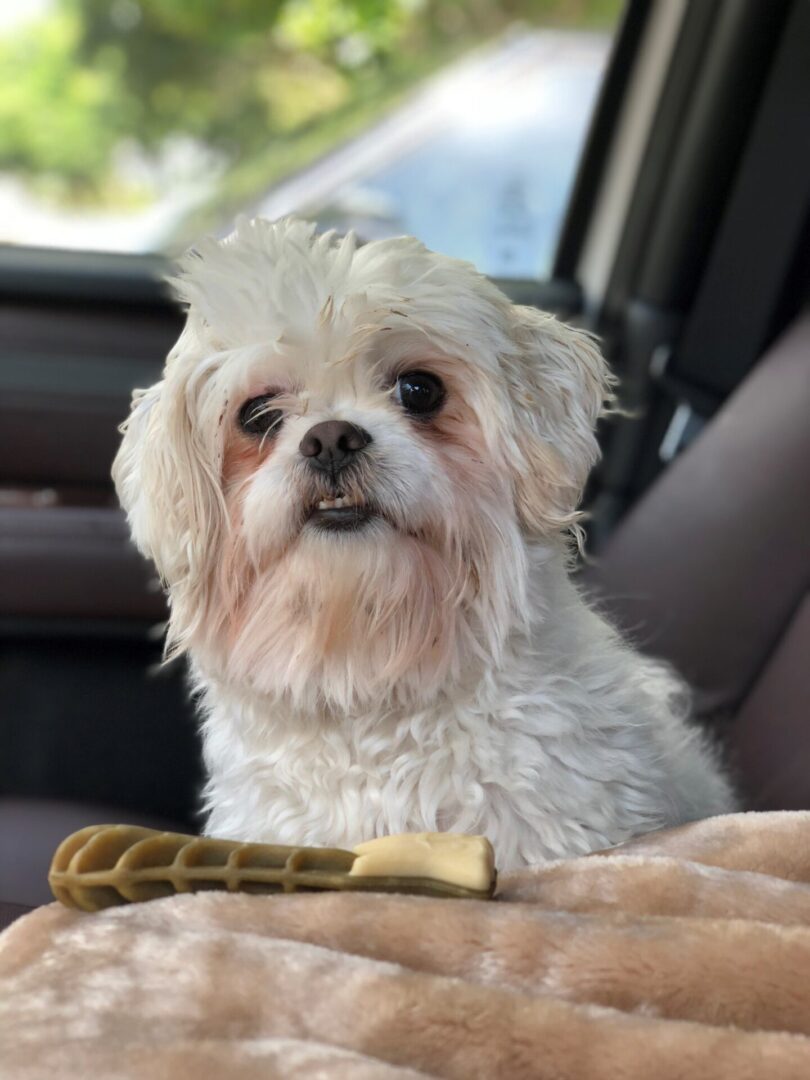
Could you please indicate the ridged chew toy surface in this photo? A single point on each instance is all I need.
(105, 865)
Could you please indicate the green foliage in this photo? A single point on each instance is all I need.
(322, 25)
(58, 116)
(265, 84)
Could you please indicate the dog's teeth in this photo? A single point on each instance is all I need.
(340, 503)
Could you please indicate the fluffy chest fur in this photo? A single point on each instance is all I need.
(573, 744)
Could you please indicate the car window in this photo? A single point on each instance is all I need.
(134, 125)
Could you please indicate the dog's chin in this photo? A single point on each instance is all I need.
(361, 598)
(348, 520)
(354, 612)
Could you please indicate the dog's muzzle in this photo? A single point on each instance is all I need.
(329, 448)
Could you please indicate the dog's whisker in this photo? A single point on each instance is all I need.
(271, 430)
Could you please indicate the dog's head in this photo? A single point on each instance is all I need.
(349, 451)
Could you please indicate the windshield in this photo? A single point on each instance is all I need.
(135, 125)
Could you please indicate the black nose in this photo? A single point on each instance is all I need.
(333, 444)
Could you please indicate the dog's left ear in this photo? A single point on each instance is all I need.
(560, 385)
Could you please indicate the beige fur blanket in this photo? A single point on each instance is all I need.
(685, 954)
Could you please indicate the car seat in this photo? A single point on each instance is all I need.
(710, 570)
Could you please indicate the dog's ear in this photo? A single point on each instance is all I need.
(171, 495)
(559, 384)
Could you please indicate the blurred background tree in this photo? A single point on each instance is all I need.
(260, 87)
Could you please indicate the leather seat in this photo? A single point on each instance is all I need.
(710, 571)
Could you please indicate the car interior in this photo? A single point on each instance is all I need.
(685, 248)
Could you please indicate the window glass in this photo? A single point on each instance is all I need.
(134, 125)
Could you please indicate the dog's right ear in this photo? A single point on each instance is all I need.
(171, 496)
(143, 481)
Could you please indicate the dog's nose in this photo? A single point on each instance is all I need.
(332, 444)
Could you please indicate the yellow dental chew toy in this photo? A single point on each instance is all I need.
(105, 865)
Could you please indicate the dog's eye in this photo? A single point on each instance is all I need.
(420, 393)
(258, 417)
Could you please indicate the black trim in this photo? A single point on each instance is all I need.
(590, 172)
(56, 276)
(662, 145)
(758, 246)
(720, 63)
(562, 297)
(52, 274)
(703, 169)
(687, 250)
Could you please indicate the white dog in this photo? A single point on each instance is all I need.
(358, 479)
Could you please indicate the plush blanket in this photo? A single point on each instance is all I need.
(684, 954)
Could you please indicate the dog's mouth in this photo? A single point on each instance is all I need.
(341, 513)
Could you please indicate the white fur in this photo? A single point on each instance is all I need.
(438, 669)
